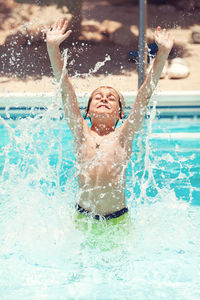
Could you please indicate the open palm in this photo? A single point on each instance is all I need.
(163, 39)
(57, 34)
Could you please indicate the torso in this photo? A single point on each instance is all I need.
(101, 170)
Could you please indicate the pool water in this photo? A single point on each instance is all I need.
(44, 256)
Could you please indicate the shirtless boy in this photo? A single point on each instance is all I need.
(102, 152)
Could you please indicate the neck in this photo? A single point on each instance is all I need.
(102, 129)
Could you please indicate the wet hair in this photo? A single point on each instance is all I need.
(120, 100)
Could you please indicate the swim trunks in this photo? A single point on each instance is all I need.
(113, 215)
(103, 232)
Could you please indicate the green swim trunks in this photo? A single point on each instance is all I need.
(104, 234)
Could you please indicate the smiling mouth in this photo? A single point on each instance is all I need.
(102, 105)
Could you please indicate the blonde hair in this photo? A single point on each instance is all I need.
(121, 101)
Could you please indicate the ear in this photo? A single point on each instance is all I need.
(88, 113)
(122, 115)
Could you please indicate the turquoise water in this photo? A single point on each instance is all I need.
(43, 255)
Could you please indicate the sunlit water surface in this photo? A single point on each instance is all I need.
(44, 256)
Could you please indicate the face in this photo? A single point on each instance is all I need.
(105, 102)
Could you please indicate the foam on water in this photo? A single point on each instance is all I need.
(39, 242)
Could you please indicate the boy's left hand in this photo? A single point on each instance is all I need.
(163, 39)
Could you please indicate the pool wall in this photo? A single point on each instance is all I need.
(168, 104)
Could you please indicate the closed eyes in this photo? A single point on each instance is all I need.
(109, 97)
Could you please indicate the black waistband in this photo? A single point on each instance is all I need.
(107, 217)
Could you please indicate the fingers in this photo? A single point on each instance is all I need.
(67, 34)
(159, 32)
(159, 29)
(55, 26)
(60, 25)
(64, 27)
(163, 38)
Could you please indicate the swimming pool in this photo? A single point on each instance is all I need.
(42, 254)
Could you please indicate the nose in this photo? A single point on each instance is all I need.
(104, 99)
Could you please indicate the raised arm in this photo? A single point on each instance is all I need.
(132, 124)
(54, 37)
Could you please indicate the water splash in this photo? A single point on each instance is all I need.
(38, 239)
(94, 70)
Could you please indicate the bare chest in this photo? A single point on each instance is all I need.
(101, 160)
(102, 150)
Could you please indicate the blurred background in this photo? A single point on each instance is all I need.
(100, 28)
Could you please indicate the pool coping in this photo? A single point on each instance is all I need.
(169, 104)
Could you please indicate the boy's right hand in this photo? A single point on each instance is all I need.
(57, 34)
